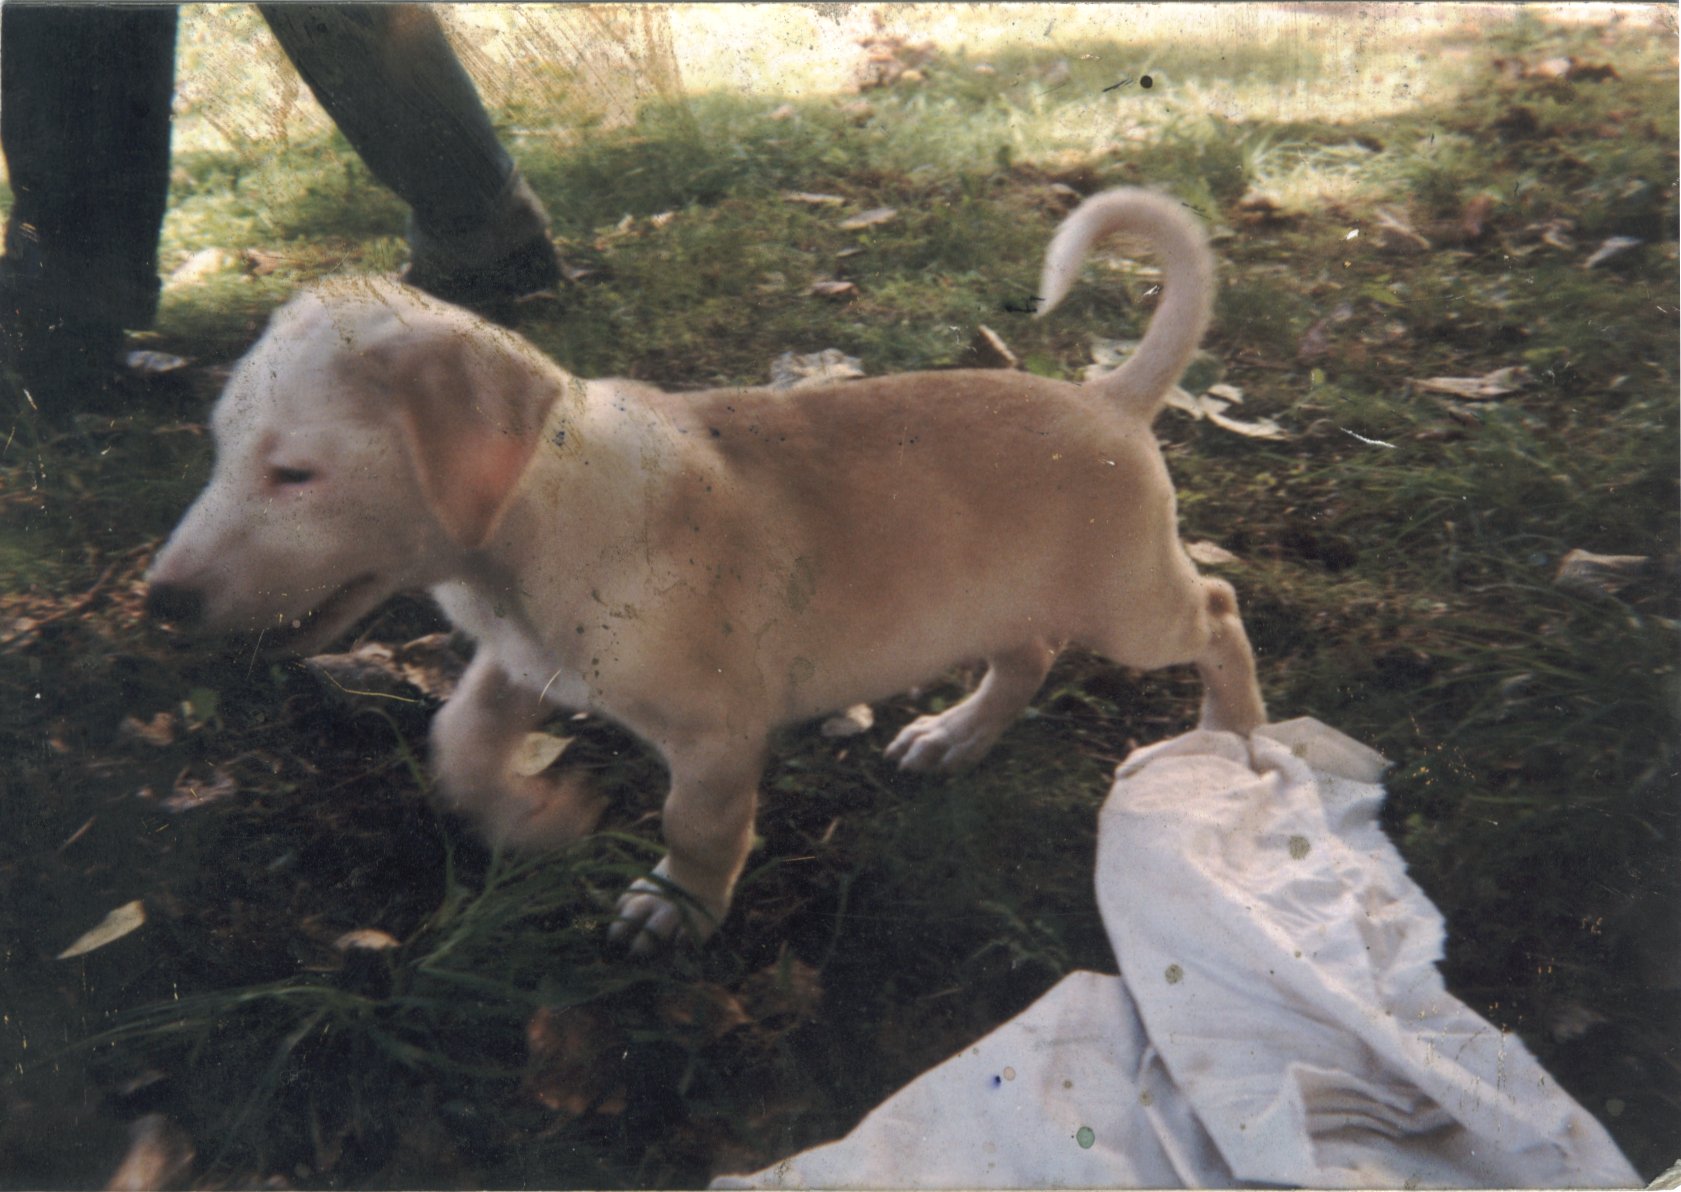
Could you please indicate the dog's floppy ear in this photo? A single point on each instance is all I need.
(473, 401)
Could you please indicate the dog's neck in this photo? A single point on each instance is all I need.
(603, 439)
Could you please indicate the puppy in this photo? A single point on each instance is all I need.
(704, 567)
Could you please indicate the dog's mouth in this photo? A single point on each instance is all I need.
(307, 633)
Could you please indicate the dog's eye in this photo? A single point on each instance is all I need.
(290, 477)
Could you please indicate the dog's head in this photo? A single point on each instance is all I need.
(368, 443)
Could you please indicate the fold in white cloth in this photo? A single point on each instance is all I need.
(1278, 1017)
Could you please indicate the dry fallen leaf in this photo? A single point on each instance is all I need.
(874, 217)
(988, 350)
(1061, 198)
(130, 916)
(261, 262)
(1599, 575)
(206, 262)
(368, 670)
(1107, 355)
(431, 664)
(833, 289)
(537, 752)
(1110, 354)
(159, 730)
(1498, 383)
(1259, 428)
(859, 718)
(1615, 246)
(795, 371)
(705, 1010)
(147, 363)
(1209, 554)
(192, 792)
(368, 939)
(428, 664)
(575, 1061)
(1179, 399)
(1214, 410)
(1554, 233)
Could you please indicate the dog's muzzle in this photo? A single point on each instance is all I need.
(181, 606)
(188, 610)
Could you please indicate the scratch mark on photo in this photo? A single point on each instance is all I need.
(1364, 439)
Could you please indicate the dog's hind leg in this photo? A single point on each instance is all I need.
(474, 740)
(1231, 700)
(959, 736)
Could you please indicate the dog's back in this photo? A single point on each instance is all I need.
(893, 526)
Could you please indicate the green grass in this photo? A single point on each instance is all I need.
(1400, 590)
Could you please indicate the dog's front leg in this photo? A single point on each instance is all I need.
(708, 826)
(475, 737)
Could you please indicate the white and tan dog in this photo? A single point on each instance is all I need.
(704, 567)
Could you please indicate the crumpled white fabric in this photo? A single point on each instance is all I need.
(1278, 1017)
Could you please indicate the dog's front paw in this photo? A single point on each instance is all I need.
(656, 912)
(944, 742)
(531, 813)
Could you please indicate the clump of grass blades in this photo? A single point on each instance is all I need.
(450, 1003)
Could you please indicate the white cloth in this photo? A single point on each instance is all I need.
(1278, 1018)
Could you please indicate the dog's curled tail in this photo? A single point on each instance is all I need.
(1180, 247)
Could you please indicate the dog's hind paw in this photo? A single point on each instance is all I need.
(944, 742)
(656, 912)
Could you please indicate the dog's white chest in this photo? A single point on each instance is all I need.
(503, 637)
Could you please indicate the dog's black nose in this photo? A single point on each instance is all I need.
(179, 605)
